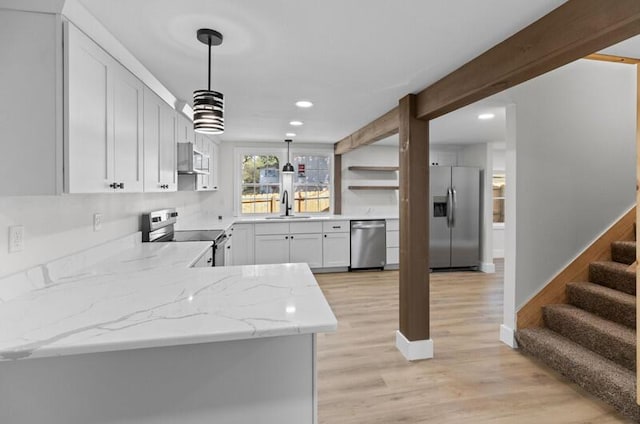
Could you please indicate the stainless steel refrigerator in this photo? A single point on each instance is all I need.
(454, 236)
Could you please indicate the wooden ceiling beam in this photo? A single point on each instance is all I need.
(572, 31)
(381, 128)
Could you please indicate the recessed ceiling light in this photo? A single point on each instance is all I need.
(290, 134)
(295, 123)
(304, 103)
(485, 116)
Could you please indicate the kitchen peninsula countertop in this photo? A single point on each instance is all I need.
(147, 296)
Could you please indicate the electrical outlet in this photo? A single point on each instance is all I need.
(97, 221)
(16, 238)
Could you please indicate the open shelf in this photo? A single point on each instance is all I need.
(374, 187)
(374, 168)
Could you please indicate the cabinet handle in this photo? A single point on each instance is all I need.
(204, 186)
(209, 260)
(113, 185)
(286, 237)
(228, 247)
(291, 237)
(121, 186)
(325, 236)
(336, 227)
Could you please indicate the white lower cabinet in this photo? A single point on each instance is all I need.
(205, 260)
(272, 249)
(306, 248)
(336, 250)
(243, 244)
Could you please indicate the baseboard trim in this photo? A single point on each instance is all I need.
(391, 267)
(507, 336)
(414, 350)
(488, 267)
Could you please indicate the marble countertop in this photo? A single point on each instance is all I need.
(147, 296)
(205, 221)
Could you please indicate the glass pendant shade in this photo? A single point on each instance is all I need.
(208, 112)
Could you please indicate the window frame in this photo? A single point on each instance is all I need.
(281, 153)
(498, 173)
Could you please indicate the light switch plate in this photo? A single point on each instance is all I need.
(16, 238)
(97, 221)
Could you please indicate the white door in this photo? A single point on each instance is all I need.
(151, 134)
(213, 166)
(272, 249)
(185, 130)
(89, 105)
(243, 244)
(306, 248)
(336, 250)
(168, 148)
(127, 130)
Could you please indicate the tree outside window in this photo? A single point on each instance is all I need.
(260, 184)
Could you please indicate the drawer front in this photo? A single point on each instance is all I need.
(335, 227)
(305, 227)
(272, 228)
(393, 255)
(393, 225)
(393, 238)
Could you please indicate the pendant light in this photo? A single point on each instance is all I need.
(288, 168)
(208, 106)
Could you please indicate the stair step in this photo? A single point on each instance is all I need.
(608, 303)
(603, 378)
(613, 341)
(623, 252)
(613, 275)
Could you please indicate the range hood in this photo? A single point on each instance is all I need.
(192, 161)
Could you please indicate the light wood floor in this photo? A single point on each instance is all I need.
(472, 379)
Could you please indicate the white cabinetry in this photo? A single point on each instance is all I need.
(443, 158)
(283, 242)
(243, 244)
(160, 148)
(205, 260)
(104, 105)
(393, 243)
(272, 249)
(185, 130)
(336, 244)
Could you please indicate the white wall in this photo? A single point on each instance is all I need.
(575, 155)
(370, 202)
(480, 156)
(56, 226)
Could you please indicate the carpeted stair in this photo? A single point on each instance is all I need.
(592, 340)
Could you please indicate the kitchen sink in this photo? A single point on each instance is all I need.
(288, 217)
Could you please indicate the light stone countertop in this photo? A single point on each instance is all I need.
(147, 296)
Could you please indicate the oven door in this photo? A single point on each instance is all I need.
(219, 247)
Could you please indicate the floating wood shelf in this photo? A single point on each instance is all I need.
(374, 187)
(374, 168)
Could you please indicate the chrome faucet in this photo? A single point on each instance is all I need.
(285, 201)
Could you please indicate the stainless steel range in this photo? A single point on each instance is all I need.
(159, 226)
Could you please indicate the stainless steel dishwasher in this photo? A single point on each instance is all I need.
(368, 244)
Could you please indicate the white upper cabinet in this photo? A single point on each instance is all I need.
(127, 130)
(185, 130)
(160, 150)
(104, 104)
(89, 106)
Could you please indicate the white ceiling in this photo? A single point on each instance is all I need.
(354, 59)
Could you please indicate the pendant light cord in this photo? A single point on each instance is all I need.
(209, 73)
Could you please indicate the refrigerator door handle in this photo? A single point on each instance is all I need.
(454, 195)
(449, 207)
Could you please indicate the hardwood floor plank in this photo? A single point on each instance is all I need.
(362, 378)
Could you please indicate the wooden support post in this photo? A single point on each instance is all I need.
(337, 184)
(413, 337)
